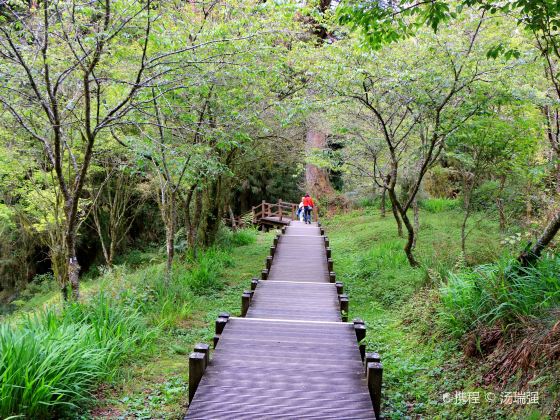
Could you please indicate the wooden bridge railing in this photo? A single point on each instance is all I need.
(281, 210)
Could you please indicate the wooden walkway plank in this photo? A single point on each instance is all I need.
(291, 356)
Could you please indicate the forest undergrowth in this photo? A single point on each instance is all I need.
(137, 333)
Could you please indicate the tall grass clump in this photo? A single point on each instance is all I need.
(500, 294)
(50, 362)
(228, 238)
(204, 277)
(438, 205)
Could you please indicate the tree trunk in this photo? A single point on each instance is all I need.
(196, 221)
(530, 256)
(397, 219)
(232, 218)
(317, 182)
(383, 202)
(411, 237)
(416, 221)
(73, 266)
(169, 216)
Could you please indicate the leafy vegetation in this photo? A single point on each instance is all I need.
(136, 137)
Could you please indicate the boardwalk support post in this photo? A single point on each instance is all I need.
(268, 262)
(245, 301)
(221, 322)
(339, 287)
(371, 358)
(326, 241)
(360, 330)
(322, 232)
(275, 240)
(254, 283)
(272, 251)
(374, 380)
(264, 274)
(330, 264)
(196, 370)
(205, 350)
(328, 253)
(332, 277)
(344, 307)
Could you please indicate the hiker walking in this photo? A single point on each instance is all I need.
(299, 213)
(307, 207)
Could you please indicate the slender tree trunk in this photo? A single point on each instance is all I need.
(168, 204)
(466, 216)
(397, 219)
(530, 256)
(232, 218)
(416, 221)
(198, 205)
(383, 202)
(408, 248)
(73, 265)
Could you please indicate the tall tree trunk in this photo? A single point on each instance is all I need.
(317, 182)
(383, 202)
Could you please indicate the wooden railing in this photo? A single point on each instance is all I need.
(282, 210)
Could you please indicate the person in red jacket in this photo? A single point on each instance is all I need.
(307, 207)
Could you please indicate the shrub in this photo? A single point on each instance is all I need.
(500, 294)
(51, 361)
(438, 205)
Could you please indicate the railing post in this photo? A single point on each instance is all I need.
(196, 370)
(344, 307)
(374, 381)
(339, 287)
(245, 302)
(326, 241)
(293, 216)
(316, 213)
(280, 209)
(268, 262)
(272, 251)
(328, 253)
(264, 274)
(371, 358)
(253, 214)
(220, 324)
(360, 330)
(205, 350)
(330, 264)
(332, 277)
(254, 283)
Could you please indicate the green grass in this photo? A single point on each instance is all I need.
(53, 359)
(422, 361)
(500, 294)
(438, 205)
(401, 306)
(56, 360)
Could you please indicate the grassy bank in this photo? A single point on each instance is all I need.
(425, 369)
(58, 360)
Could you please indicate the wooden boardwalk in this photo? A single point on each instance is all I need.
(290, 355)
